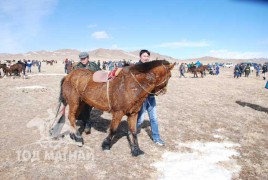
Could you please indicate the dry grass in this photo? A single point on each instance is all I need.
(192, 110)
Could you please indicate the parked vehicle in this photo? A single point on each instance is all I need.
(228, 65)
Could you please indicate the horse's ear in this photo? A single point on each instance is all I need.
(171, 66)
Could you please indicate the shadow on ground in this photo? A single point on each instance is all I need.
(102, 125)
(253, 106)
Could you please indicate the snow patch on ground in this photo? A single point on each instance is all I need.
(218, 136)
(207, 161)
(30, 87)
(54, 74)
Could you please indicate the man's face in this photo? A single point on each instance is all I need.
(145, 57)
(84, 60)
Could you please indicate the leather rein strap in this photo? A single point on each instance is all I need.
(158, 92)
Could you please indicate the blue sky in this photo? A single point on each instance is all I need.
(178, 28)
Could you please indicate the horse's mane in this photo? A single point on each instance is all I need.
(146, 67)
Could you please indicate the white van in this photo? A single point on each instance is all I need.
(229, 65)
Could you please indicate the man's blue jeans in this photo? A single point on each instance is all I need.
(149, 105)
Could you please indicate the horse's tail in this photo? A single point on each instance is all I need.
(61, 99)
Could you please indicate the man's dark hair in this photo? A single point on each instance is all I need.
(144, 51)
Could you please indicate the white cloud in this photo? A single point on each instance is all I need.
(21, 21)
(184, 43)
(92, 25)
(223, 53)
(100, 35)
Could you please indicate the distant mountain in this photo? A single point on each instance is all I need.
(97, 54)
(208, 59)
(111, 54)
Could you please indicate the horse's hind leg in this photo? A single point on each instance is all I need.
(117, 116)
(132, 123)
(75, 135)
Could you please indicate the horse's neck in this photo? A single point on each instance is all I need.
(144, 83)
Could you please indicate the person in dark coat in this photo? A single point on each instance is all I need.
(85, 113)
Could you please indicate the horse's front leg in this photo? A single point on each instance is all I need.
(132, 123)
(107, 142)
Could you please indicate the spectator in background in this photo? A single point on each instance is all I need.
(39, 66)
(182, 70)
(258, 69)
(264, 71)
(99, 64)
(247, 70)
(29, 65)
(217, 70)
(104, 65)
(237, 71)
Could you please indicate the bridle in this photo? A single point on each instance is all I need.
(156, 93)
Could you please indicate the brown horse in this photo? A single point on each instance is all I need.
(15, 68)
(50, 62)
(202, 70)
(122, 96)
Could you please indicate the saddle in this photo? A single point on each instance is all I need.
(104, 76)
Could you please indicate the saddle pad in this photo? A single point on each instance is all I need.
(104, 76)
(100, 76)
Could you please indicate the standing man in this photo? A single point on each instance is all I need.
(182, 70)
(149, 105)
(237, 71)
(39, 66)
(247, 70)
(217, 70)
(85, 113)
(29, 65)
(264, 71)
(258, 69)
(99, 64)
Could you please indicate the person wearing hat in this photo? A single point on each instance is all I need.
(85, 113)
(85, 63)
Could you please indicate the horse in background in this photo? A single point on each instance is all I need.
(49, 62)
(15, 68)
(202, 70)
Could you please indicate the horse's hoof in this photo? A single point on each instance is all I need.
(136, 152)
(77, 139)
(87, 130)
(105, 145)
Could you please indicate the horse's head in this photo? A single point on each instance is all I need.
(162, 74)
(154, 73)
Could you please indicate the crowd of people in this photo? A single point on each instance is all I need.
(26, 66)
(104, 65)
(213, 69)
(248, 69)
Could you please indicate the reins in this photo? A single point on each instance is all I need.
(156, 93)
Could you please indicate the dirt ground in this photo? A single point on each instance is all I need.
(211, 109)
